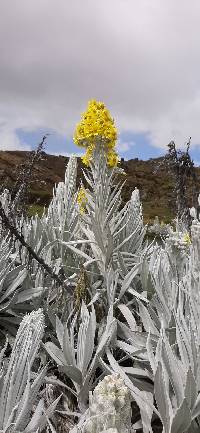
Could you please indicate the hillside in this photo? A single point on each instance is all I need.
(155, 185)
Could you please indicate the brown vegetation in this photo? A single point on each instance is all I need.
(155, 185)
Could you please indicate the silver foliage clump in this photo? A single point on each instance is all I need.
(18, 393)
(122, 329)
(78, 357)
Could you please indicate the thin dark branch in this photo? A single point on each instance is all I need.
(13, 230)
(20, 189)
(181, 167)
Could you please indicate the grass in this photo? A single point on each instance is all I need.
(43, 197)
(150, 212)
(34, 209)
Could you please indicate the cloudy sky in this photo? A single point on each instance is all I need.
(141, 57)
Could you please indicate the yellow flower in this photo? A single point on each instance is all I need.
(112, 159)
(186, 239)
(88, 155)
(82, 199)
(97, 128)
(85, 160)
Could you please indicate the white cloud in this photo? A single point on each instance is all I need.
(125, 146)
(140, 57)
(10, 141)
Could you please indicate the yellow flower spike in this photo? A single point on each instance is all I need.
(97, 128)
(82, 199)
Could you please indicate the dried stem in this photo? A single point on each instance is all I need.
(13, 230)
(181, 166)
(20, 189)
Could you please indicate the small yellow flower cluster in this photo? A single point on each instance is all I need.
(82, 199)
(186, 239)
(97, 129)
(112, 158)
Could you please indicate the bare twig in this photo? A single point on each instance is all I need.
(13, 230)
(20, 189)
(181, 166)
